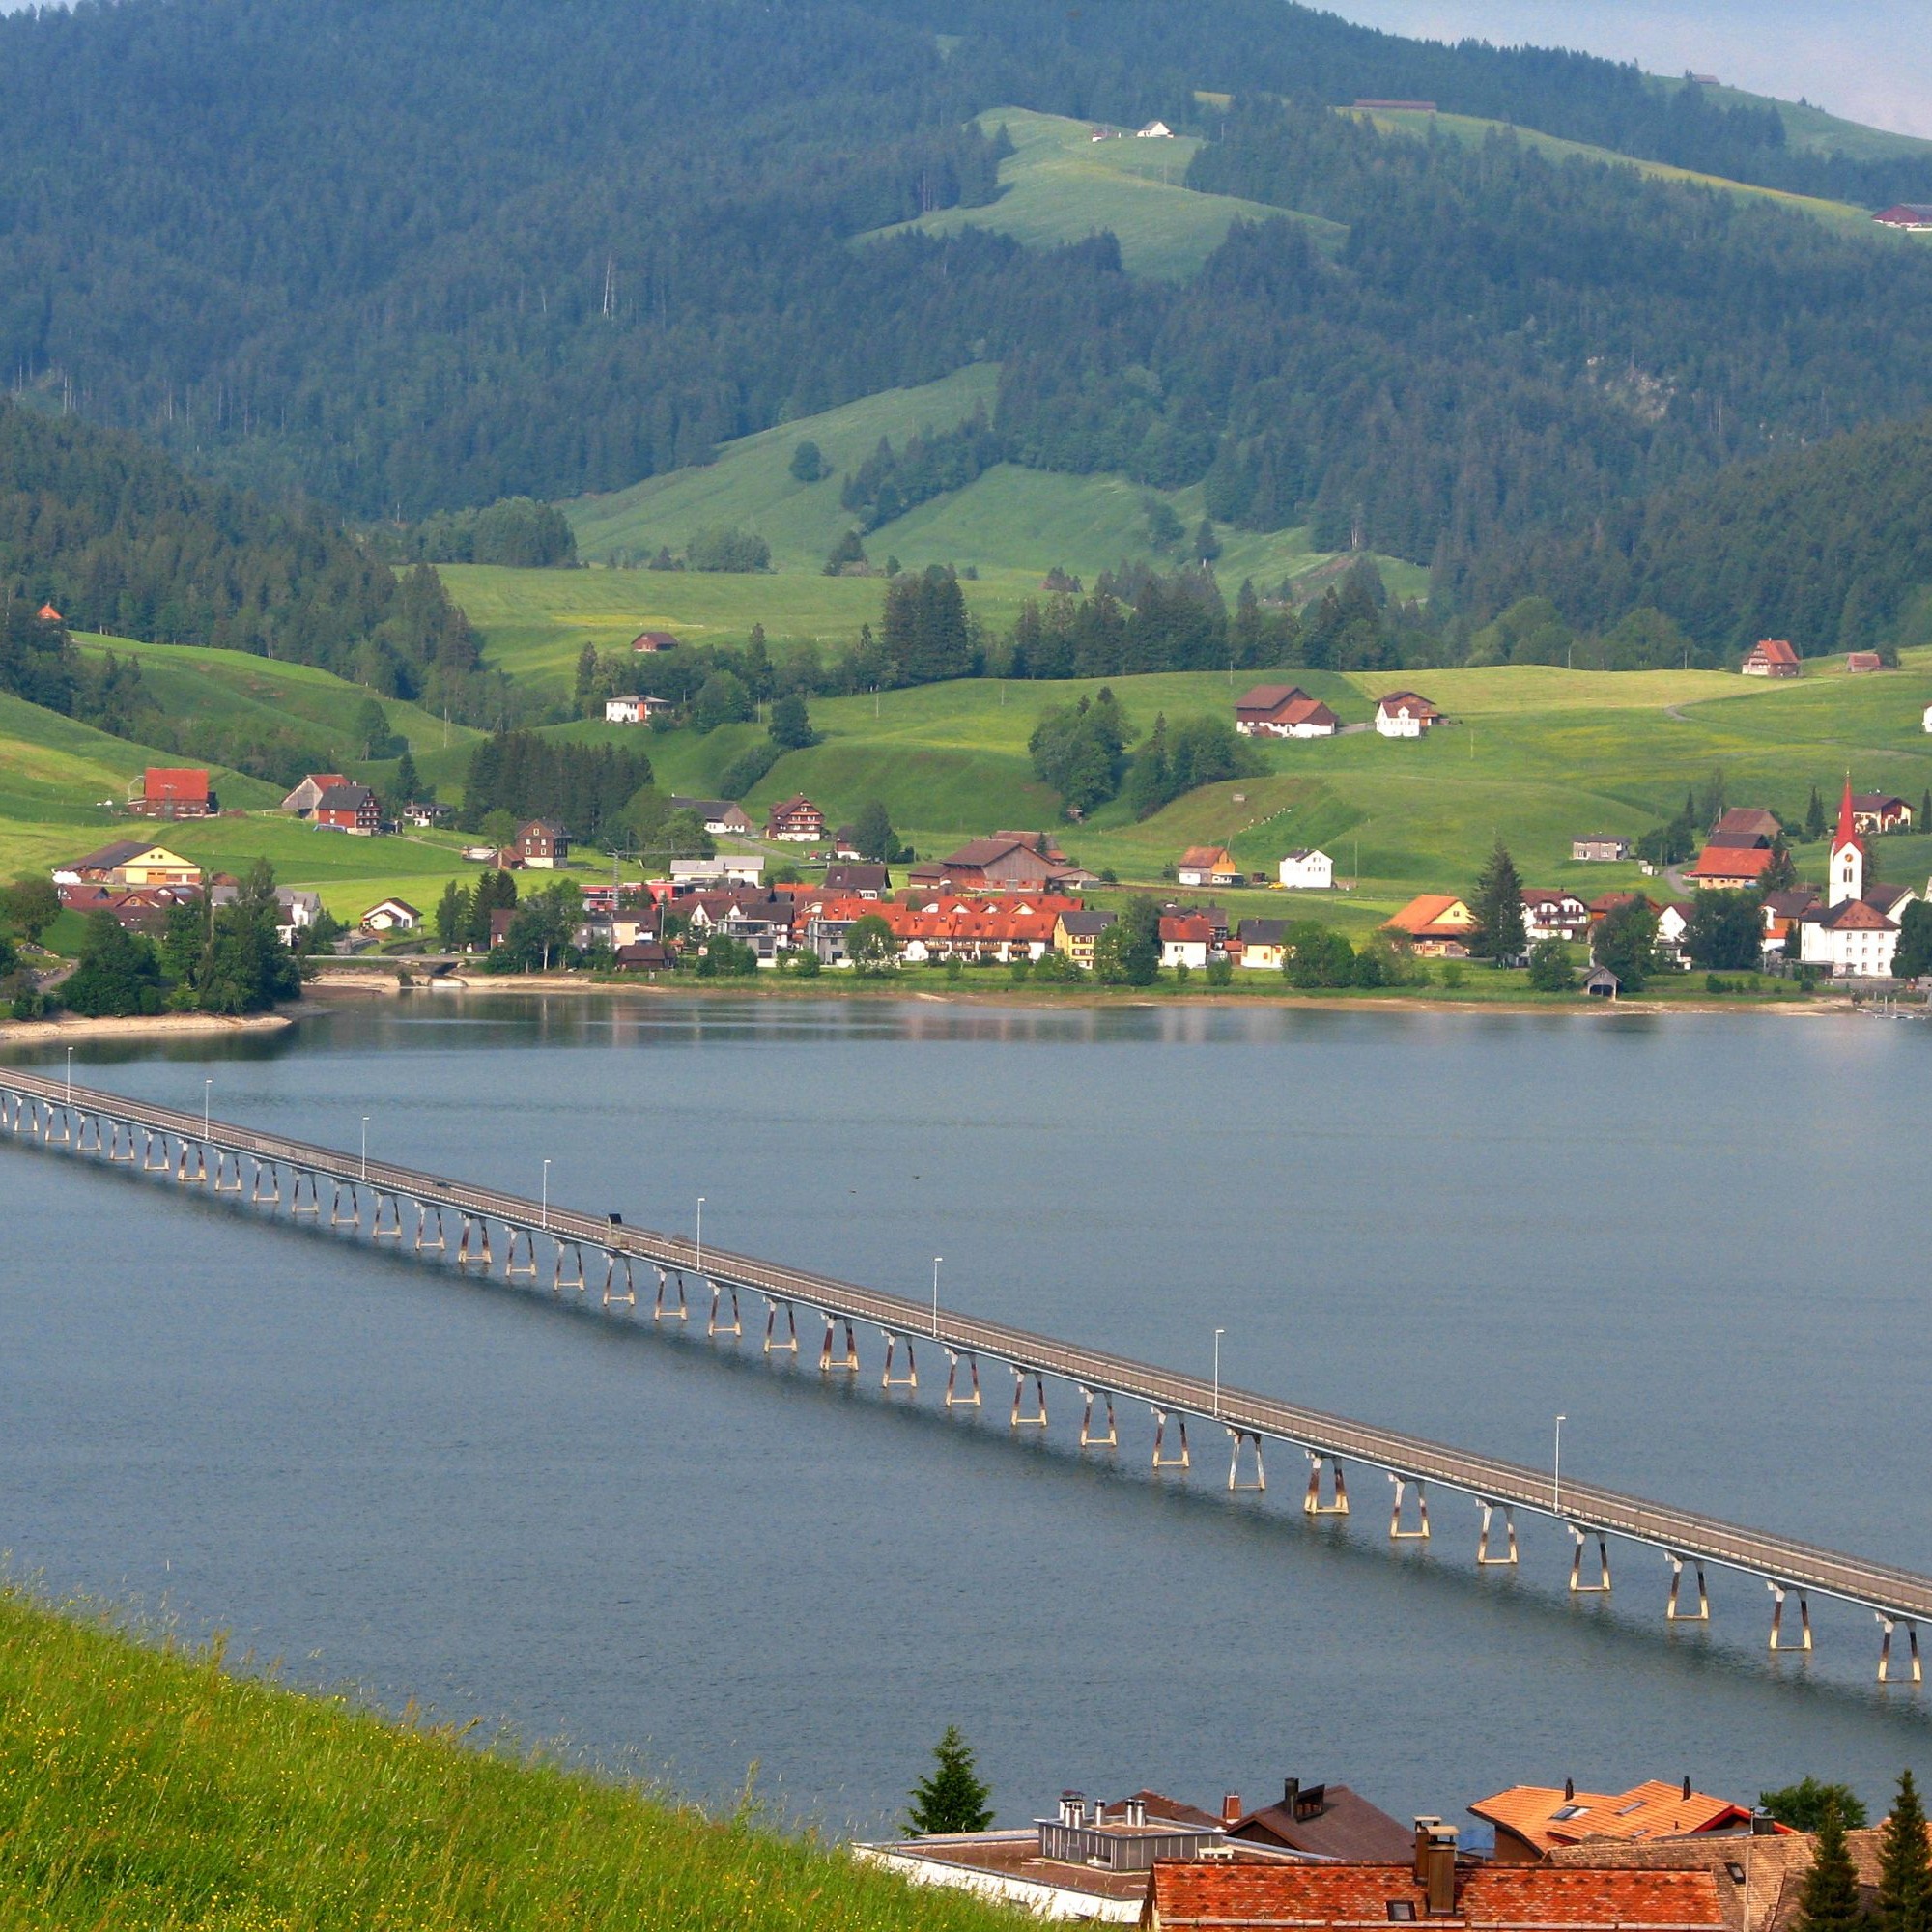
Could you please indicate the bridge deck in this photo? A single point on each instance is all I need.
(1885, 1589)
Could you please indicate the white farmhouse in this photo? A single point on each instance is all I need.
(1308, 871)
(1928, 717)
(1404, 714)
(632, 709)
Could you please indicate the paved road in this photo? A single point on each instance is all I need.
(1884, 1588)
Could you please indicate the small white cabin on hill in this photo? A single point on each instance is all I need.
(1308, 871)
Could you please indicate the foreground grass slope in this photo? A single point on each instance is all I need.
(147, 1789)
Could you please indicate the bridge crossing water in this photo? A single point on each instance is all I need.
(444, 1219)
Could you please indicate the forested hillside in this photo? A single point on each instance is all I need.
(408, 260)
(118, 539)
(1828, 548)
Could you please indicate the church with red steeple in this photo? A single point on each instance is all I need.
(1853, 935)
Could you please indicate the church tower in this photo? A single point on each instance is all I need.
(1848, 855)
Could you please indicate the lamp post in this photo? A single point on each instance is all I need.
(366, 1147)
(936, 1260)
(1218, 1333)
(545, 1214)
(1556, 1477)
(207, 1087)
(70, 1076)
(700, 1234)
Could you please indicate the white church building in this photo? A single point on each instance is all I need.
(1848, 935)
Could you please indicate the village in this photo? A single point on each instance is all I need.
(1661, 1854)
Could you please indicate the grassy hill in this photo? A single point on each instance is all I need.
(1010, 519)
(1472, 128)
(1060, 186)
(149, 1787)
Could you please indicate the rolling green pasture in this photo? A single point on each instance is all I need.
(150, 1787)
(1013, 524)
(1473, 129)
(1815, 129)
(1061, 186)
(189, 681)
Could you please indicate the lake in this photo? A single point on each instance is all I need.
(1703, 1239)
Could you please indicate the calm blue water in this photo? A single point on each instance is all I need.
(1704, 1240)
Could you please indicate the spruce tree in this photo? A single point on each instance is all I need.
(1829, 1899)
(1814, 818)
(1499, 908)
(953, 1798)
(1904, 1866)
(409, 780)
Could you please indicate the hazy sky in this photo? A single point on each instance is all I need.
(1870, 62)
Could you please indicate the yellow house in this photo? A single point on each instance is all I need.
(128, 862)
(1437, 925)
(1075, 934)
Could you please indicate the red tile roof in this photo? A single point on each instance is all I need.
(1733, 862)
(175, 784)
(1207, 1897)
(1774, 650)
(1654, 1810)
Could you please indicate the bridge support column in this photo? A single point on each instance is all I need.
(528, 1267)
(848, 1362)
(715, 1327)
(628, 1297)
(1484, 1559)
(196, 1175)
(336, 1217)
(152, 1143)
(1236, 1437)
(296, 1193)
(120, 1135)
(1420, 1533)
(1161, 1459)
(1778, 1595)
(1037, 1419)
(1312, 1503)
(559, 1281)
(910, 1379)
(1702, 1613)
(954, 1399)
(424, 1245)
(274, 1199)
(64, 1116)
(227, 1172)
(773, 1346)
(81, 1145)
(474, 1243)
(1601, 1587)
(1884, 1624)
(1088, 1438)
(394, 1231)
(681, 1311)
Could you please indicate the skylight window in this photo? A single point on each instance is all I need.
(1566, 1811)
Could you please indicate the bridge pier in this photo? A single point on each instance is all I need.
(1420, 1533)
(848, 1362)
(1484, 1559)
(628, 1297)
(1236, 1437)
(296, 1193)
(199, 1177)
(773, 1346)
(1037, 1419)
(476, 1226)
(336, 1217)
(557, 1283)
(227, 1164)
(1312, 1503)
(1778, 1595)
(424, 1245)
(660, 1311)
(394, 1231)
(1884, 1624)
(1088, 1439)
(954, 1399)
(528, 1267)
(1601, 1587)
(910, 1379)
(714, 1326)
(1671, 1613)
(117, 1131)
(64, 1116)
(81, 1145)
(153, 1142)
(256, 1196)
(1165, 1462)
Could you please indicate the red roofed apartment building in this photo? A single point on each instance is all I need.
(1215, 1896)
(1283, 711)
(1770, 657)
(172, 791)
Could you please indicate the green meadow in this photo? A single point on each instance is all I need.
(1061, 186)
(148, 1786)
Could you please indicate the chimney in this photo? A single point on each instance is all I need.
(1291, 1790)
(1569, 1789)
(1440, 1884)
(1072, 1805)
(1763, 1824)
(1137, 1812)
(1687, 1785)
(1425, 1829)
(1093, 1812)
(1230, 1810)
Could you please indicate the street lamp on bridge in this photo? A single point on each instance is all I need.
(700, 1234)
(363, 1171)
(936, 1260)
(207, 1088)
(1218, 1333)
(1556, 1473)
(544, 1216)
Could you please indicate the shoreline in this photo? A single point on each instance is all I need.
(22, 1033)
(1070, 997)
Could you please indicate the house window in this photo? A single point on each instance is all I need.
(1402, 1910)
(1736, 1870)
(1568, 1811)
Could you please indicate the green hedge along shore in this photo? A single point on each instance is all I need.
(146, 1786)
